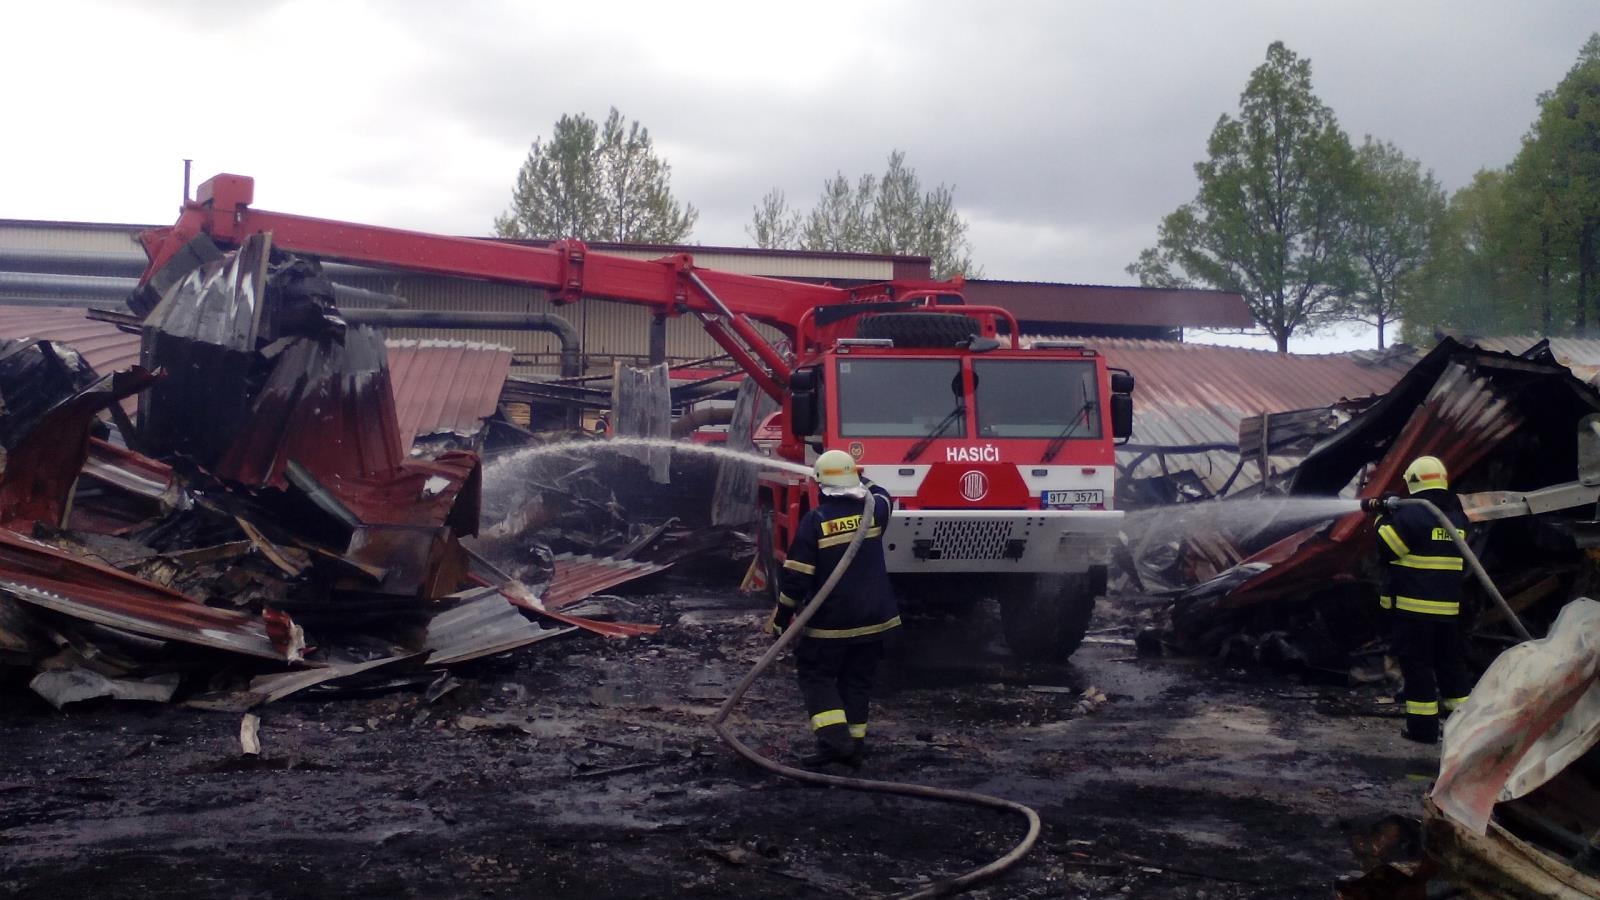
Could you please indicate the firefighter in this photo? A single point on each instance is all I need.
(1423, 596)
(837, 656)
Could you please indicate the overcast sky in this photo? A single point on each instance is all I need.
(1067, 129)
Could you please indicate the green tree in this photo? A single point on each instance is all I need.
(1560, 165)
(596, 182)
(887, 214)
(774, 226)
(1521, 250)
(1396, 211)
(1270, 220)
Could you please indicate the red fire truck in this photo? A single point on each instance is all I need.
(999, 455)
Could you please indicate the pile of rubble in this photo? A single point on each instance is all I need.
(252, 524)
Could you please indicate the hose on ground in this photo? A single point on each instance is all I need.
(948, 795)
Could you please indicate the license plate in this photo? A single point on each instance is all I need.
(1073, 499)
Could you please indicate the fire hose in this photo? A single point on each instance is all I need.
(948, 795)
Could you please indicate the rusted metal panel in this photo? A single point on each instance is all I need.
(445, 387)
(49, 578)
(576, 577)
(103, 346)
(327, 405)
(1196, 395)
(42, 467)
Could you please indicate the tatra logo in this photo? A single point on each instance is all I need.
(985, 453)
(974, 486)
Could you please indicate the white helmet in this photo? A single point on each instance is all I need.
(836, 469)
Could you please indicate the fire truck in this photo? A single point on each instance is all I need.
(999, 454)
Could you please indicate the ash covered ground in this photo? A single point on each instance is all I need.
(583, 767)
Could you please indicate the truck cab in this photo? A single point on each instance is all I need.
(1000, 460)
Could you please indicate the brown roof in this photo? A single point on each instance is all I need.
(1191, 394)
(1111, 305)
(439, 386)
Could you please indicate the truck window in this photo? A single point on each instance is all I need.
(1035, 398)
(897, 397)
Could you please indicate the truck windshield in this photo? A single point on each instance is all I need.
(1035, 398)
(898, 397)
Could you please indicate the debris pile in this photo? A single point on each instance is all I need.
(260, 528)
(1501, 423)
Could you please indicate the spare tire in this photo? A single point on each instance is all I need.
(919, 329)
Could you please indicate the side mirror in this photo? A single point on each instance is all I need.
(1121, 383)
(802, 418)
(1121, 415)
(803, 403)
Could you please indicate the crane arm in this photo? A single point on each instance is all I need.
(725, 302)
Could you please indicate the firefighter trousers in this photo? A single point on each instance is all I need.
(836, 682)
(1432, 655)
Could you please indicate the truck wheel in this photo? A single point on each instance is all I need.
(1048, 615)
(915, 329)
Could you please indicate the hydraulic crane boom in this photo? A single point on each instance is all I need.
(726, 303)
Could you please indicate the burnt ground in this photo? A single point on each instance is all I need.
(584, 768)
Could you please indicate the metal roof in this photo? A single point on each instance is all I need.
(1198, 394)
(1581, 355)
(440, 386)
(445, 386)
(1111, 305)
(106, 348)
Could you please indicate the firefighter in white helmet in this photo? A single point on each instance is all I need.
(1423, 573)
(837, 657)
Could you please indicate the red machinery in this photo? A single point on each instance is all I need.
(1000, 457)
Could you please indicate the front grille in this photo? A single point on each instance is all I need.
(972, 539)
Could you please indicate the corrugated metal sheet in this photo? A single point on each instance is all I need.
(439, 386)
(445, 387)
(23, 234)
(482, 625)
(106, 348)
(59, 581)
(1198, 394)
(1581, 355)
(1111, 305)
(574, 577)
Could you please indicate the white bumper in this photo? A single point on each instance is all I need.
(1002, 541)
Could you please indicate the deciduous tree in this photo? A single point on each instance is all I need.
(888, 214)
(1271, 218)
(1396, 211)
(596, 182)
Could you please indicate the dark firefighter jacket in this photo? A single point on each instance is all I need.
(1424, 568)
(862, 604)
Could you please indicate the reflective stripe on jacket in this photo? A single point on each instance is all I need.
(1423, 566)
(862, 604)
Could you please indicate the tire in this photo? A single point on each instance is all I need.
(1047, 615)
(918, 329)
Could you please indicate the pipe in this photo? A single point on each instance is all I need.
(29, 288)
(571, 343)
(719, 724)
(1377, 504)
(701, 415)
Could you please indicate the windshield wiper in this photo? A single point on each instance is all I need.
(941, 428)
(1060, 440)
